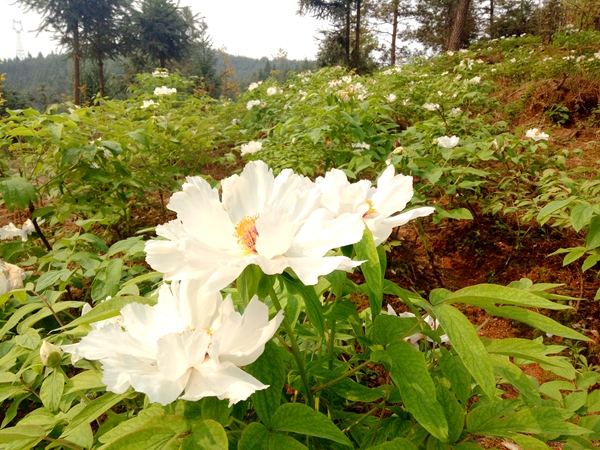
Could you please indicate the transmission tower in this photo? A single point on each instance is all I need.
(18, 28)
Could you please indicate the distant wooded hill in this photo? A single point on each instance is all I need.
(42, 80)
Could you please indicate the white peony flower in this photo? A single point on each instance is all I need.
(380, 207)
(271, 91)
(164, 90)
(148, 104)
(11, 277)
(190, 345)
(391, 98)
(447, 141)
(251, 147)
(536, 135)
(11, 231)
(431, 106)
(273, 222)
(254, 85)
(361, 146)
(252, 103)
(474, 80)
(455, 111)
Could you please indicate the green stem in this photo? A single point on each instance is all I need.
(369, 413)
(341, 378)
(293, 346)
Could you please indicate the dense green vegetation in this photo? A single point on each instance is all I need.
(484, 132)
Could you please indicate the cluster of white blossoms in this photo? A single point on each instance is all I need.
(447, 141)
(160, 73)
(252, 103)
(254, 85)
(164, 91)
(537, 134)
(192, 343)
(11, 231)
(431, 106)
(11, 277)
(148, 103)
(251, 147)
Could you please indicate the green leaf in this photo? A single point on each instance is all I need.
(387, 329)
(314, 309)
(573, 255)
(51, 278)
(490, 294)
(536, 320)
(109, 308)
(151, 438)
(469, 347)
(456, 214)
(207, 435)
(256, 437)
(551, 208)
(395, 444)
(371, 269)
(269, 369)
(411, 374)
(17, 193)
(593, 237)
(95, 409)
(30, 433)
(52, 390)
(299, 418)
(581, 215)
(248, 281)
(107, 280)
(89, 380)
(455, 413)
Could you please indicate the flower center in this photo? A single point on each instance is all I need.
(371, 212)
(247, 234)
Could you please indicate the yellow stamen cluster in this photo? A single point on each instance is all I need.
(371, 212)
(247, 234)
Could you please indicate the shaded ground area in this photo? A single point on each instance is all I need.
(456, 254)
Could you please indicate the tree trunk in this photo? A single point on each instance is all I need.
(347, 30)
(458, 25)
(101, 80)
(395, 12)
(356, 55)
(492, 32)
(76, 65)
(162, 62)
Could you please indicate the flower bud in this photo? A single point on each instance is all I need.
(50, 354)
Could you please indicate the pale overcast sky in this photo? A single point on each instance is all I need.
(250, 28)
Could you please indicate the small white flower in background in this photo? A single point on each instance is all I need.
(547, 58)
(450, 53)
(11, 277)
(597, 55)
(251, 104)
(50, 354)
(458, 77)
(391, 98)
(431, 106)
(11, 231)
(361, 146)
(273, 91)
(474, 80)
(164, 90)
(536, 134)
(160, 73)
(190, 345)
(513, 60)
(347, 79)
(273, 222)
(447, 141)
(254, 85)
(251, 147)
(455, 111)
(379, 207)
(235, 121)
(398, 150)
(148, 104)
(415, 338)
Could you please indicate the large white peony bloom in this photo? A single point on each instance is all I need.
(11, 277)
(379, 207)
(273, 222)
(190, 345)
